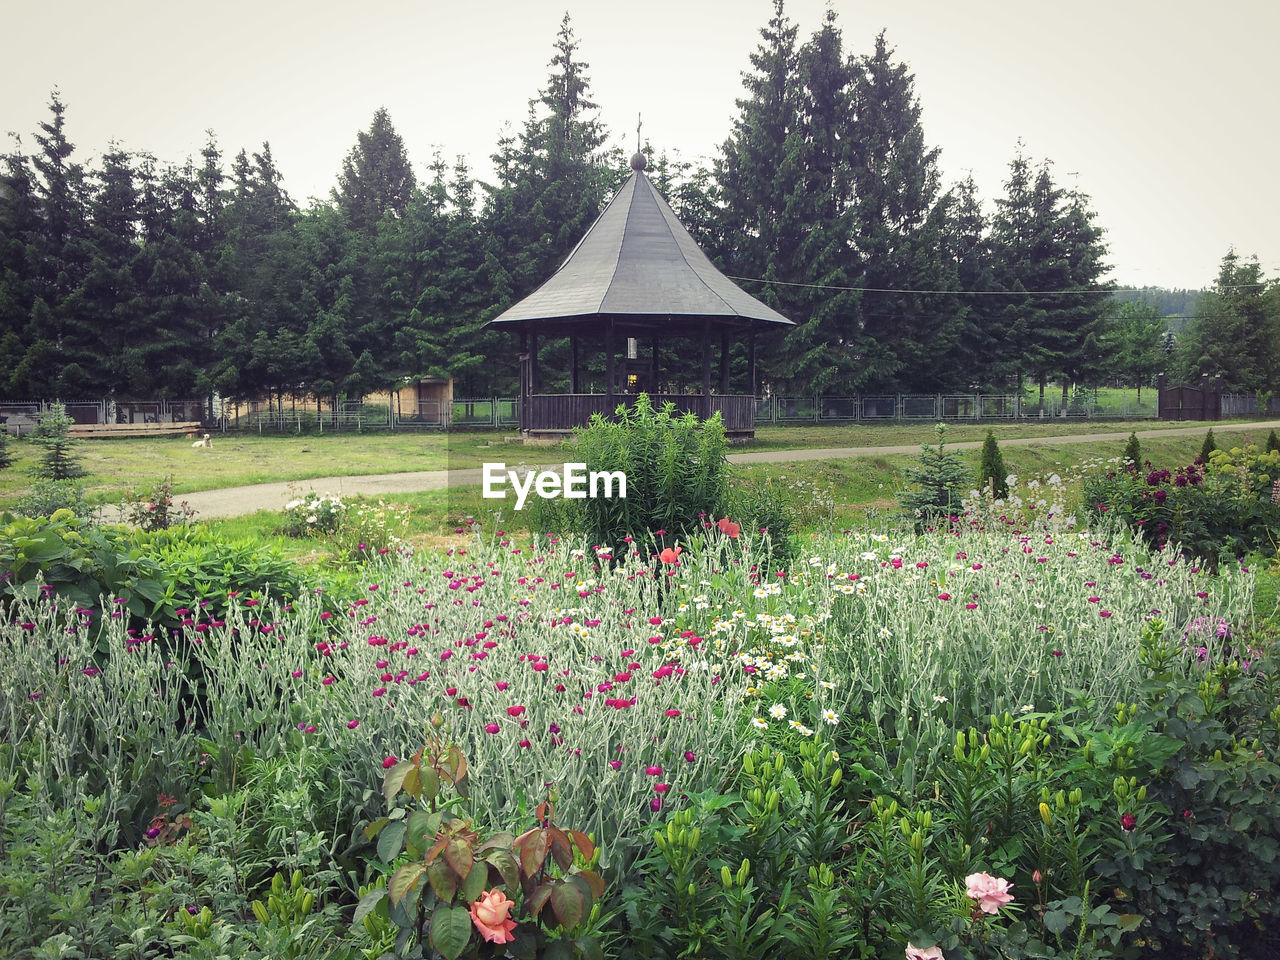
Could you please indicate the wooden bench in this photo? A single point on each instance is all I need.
(97, 431)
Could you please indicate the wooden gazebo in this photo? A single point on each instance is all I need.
(637, 277)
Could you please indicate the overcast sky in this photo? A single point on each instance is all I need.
(1163, 112)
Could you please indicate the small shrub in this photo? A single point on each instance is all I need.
(47, 497)
(1273, 442)
(154, 509)
(1132, 455)
(991, 471)
(313, 516)
(6, 458)
(941, 483)
(677, 475)
(53, 432)
(1207, 449)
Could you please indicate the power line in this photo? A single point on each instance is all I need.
(985, 293)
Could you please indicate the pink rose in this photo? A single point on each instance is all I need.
(991, 892)
(924, 953)
(489, 914)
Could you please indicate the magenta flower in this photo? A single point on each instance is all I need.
(491, 728)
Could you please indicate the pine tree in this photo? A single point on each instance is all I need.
(940, 479)
(59, 460)
(6, 458)
(1236, 335)
(911, 337)
(1132, 456)
(967, 247)
(1207, 447)
(991, 471)
(1273, 442)
(377, 179)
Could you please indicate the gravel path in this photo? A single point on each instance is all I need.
(234, 501)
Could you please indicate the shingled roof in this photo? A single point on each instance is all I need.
(638, 266)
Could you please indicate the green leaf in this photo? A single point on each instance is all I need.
(1056, 921)
(450, 930)
(569, 904)
(404, 880)
(390, 840)
(1130, 922)
(590, 948)
(393, 780)
(443, 881)
(506, 865)
(368, 903)
(474, 884)
(458, 855)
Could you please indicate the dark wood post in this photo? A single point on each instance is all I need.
(706, 369)
(609, 350)
(573, 369)
(724, 363)
(524, 380)
(654, 366)
(533, 363)
(751, 361)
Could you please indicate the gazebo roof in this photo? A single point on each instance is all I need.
(639, 267)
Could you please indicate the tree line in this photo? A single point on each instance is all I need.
(137, 279)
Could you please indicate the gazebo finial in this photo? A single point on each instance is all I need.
(637, 161)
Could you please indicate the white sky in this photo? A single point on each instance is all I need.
(1163, 112)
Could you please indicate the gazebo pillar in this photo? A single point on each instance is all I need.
(751, 361)
(724, 363)
(533, 363)
(573, 368)
(609, 350)
(654, 366)
(706, 369)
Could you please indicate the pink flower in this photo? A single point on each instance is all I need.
(491, 728)
(515, 711)
(490, 914)
(352, 724)
(990, 892)
(653, 771)
(924, 953)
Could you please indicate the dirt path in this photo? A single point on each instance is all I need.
(234, 501)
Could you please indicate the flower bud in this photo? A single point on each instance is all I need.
(1046, 815)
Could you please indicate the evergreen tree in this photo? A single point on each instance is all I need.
(19, 228)
(1132, 456)
(1237, 333)
(991, 471)
(1129, 344)
(377, 179)
(755, 175)
(6, 458)
(59, 460)
(554, 178)
(1207, 447)
(1049, 254)
(1273, 442)
(940, 481)
(912, 338)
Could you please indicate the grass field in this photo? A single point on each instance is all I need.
(116, 467)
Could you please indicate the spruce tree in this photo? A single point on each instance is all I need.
(1273, 442)
(59, 460)
(991, 471)
(377, 179)
(940, 480)
(1132, 456)
(6, 458)
(1208, 447)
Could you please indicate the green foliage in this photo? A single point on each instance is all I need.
(6, 457)
(47, 497)
(991, 470)
(52, 432)
(1273, 442)
(1220, 509)
(153, 509)
(459, 887)
(677, 475)
(1132, 456)
(157, 576)
(1207, 449)
(941, 482)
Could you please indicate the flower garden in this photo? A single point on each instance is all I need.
(1009, 735)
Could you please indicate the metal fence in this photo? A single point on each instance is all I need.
(478, 413)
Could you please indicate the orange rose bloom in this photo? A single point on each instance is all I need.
(489, 914)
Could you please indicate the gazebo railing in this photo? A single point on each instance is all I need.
(567, 411)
